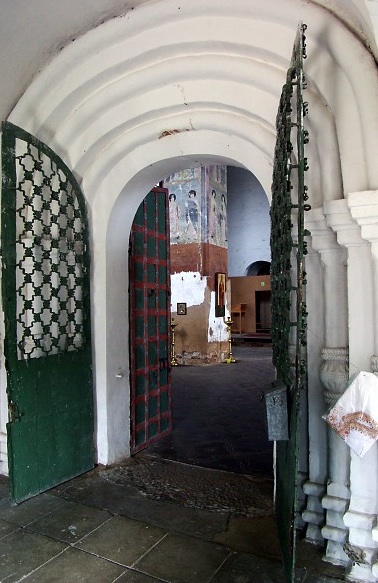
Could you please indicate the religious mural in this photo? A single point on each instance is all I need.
(185, 206)
(198, 205)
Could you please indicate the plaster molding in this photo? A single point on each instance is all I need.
(339, 218)
(322, 236)
(363, 206)
(364, 210)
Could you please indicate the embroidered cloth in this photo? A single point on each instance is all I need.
(355, 415)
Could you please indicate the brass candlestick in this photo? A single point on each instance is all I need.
(173, 355)
(230, 357)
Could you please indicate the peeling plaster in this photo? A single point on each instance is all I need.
(188, 287)
(217, 330)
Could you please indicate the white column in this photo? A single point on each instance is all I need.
(314, 487)
(361, 514)
(364, 209)
(334, 377)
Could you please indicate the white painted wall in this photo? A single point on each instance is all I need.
(248, 221)
(188, 287)
(105, 100)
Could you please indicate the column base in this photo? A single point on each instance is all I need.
(336, 538)
(361, 548)
(335, 531)
(314, 513)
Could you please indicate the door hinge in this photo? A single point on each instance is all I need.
(13, 412)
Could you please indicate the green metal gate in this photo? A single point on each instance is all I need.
(288, 278)
(150, 322)
(45, 293)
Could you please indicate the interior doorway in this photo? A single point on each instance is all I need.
(218, 418)
(263, 312)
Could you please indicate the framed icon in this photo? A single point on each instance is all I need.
(220, 294)
(181, 309)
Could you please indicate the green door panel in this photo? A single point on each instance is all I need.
(150, 322)
(45, 294)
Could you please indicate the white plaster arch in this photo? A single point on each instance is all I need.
(111, 224)
(105, 100)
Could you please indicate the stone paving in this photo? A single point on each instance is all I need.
(155, 519)
(92, 529)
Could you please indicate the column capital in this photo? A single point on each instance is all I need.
(364, 206)
(322, 236)
(364, 210)
(339, 218)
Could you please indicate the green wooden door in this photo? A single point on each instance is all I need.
(150, 322)
(288, 278)
(45, 293)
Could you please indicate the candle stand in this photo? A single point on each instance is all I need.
(173, 355)
(230, 358)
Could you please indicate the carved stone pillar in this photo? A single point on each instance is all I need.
(315, 486)
(334, 375)
(361, 514)
(364, 209)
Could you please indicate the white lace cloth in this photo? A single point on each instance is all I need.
(355, 415)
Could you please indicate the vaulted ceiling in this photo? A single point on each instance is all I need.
(32, 32)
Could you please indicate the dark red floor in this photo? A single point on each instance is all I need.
(218, 414)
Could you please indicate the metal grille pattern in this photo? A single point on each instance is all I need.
(49, 256)
(289, 196)
(289, 324)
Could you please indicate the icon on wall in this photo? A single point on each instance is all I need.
(220, 294)
(181, 309)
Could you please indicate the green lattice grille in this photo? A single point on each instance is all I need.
(288, 245)
(289, 316)
(49, 257)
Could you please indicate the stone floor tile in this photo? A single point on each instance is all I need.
(246, 568)
(21, 552)
(257, 536)
(6, 528)
(309, 561)
(92, 490)
(75, 566)
(132, 576)
(127, 501)
(181, 559)
(179, 519)
(70, 521)
(28, 511)
(121, 540)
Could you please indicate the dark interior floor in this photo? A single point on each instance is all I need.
(219, 416)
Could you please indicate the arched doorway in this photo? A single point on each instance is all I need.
(217, 410)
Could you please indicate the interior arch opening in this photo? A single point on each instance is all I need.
(259, 268)
(217, 413)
